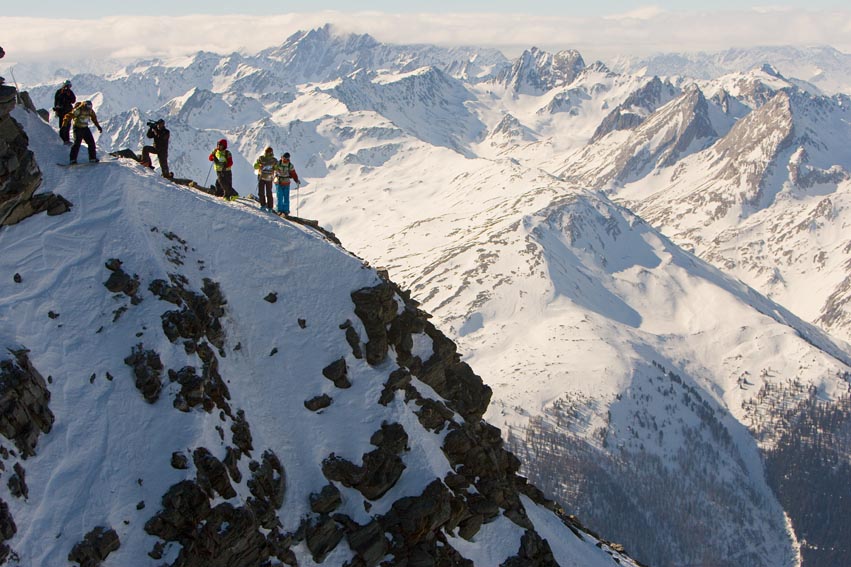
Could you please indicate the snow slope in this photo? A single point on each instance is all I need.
(108, 459)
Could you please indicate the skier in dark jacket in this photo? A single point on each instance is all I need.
(160, 135)
(63, 103)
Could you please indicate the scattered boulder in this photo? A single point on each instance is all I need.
(147, 368)
(318, 402)
(120, 281)
(272, 297)
(18, 482)
(95, 547)
(337, 372)
(353, 339)
(179, 461)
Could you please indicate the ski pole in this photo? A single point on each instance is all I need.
(297, 200)
(208, 175)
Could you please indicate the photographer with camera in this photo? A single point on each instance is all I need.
(160, 134)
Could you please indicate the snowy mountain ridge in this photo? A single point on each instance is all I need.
(202, 405)
(620, 363)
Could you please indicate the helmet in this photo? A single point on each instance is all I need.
(286, 155)
(66, 84)
(223, 143)
(269, 150)
(88, 103)
(161, 121)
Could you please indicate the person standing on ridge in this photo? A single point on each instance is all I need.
(265, 166)
(223, 161)
(284, 171)
(160, 134)
(63, 103)
(80, 117)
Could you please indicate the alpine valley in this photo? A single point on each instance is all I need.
(650, 272)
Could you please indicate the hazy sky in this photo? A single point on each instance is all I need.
(49, 32)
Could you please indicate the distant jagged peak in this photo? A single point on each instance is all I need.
(770, 69)
(511, 127)
(642, 102)
(537, 71)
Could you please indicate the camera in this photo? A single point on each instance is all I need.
(152, 123)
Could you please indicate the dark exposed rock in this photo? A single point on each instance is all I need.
(470, 527)
(369, 543)
(232, 456)
(212, 474)
(353, 339)
(452, 379)
(20, 176)
(120, 281)
(534, 552)
(24, 403)
(379, 473)
(376, 308)
(416, 518)
(199, 315)
(322, 537)
(399, 379)
(242, 433)
(185, 505)
(95, 547)
(179, 461)
(229, 537)
(337, 373)
(147, 369)
(271, 297)
(433, 415)
(319, 402)
(18, 482)
(268, 485)
(302, 323)
(326, 500)
(140, 505)
(17, 278)
(391, 438)
(8, 529)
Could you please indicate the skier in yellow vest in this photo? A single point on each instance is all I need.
(79, 118)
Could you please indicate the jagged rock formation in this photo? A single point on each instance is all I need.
(24, 403)
(19, 173)
(674, 131)
(637, 107)
(537, 71)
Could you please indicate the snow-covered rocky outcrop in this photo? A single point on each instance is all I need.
(174, 393)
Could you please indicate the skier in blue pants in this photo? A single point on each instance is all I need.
(284, 172)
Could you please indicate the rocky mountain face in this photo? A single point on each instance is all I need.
(510, 208)
(224, 417)
(537, 71)
(637, 106)
(20, 176)
(681, 127)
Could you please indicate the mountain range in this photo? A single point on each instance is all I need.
(647, 268)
